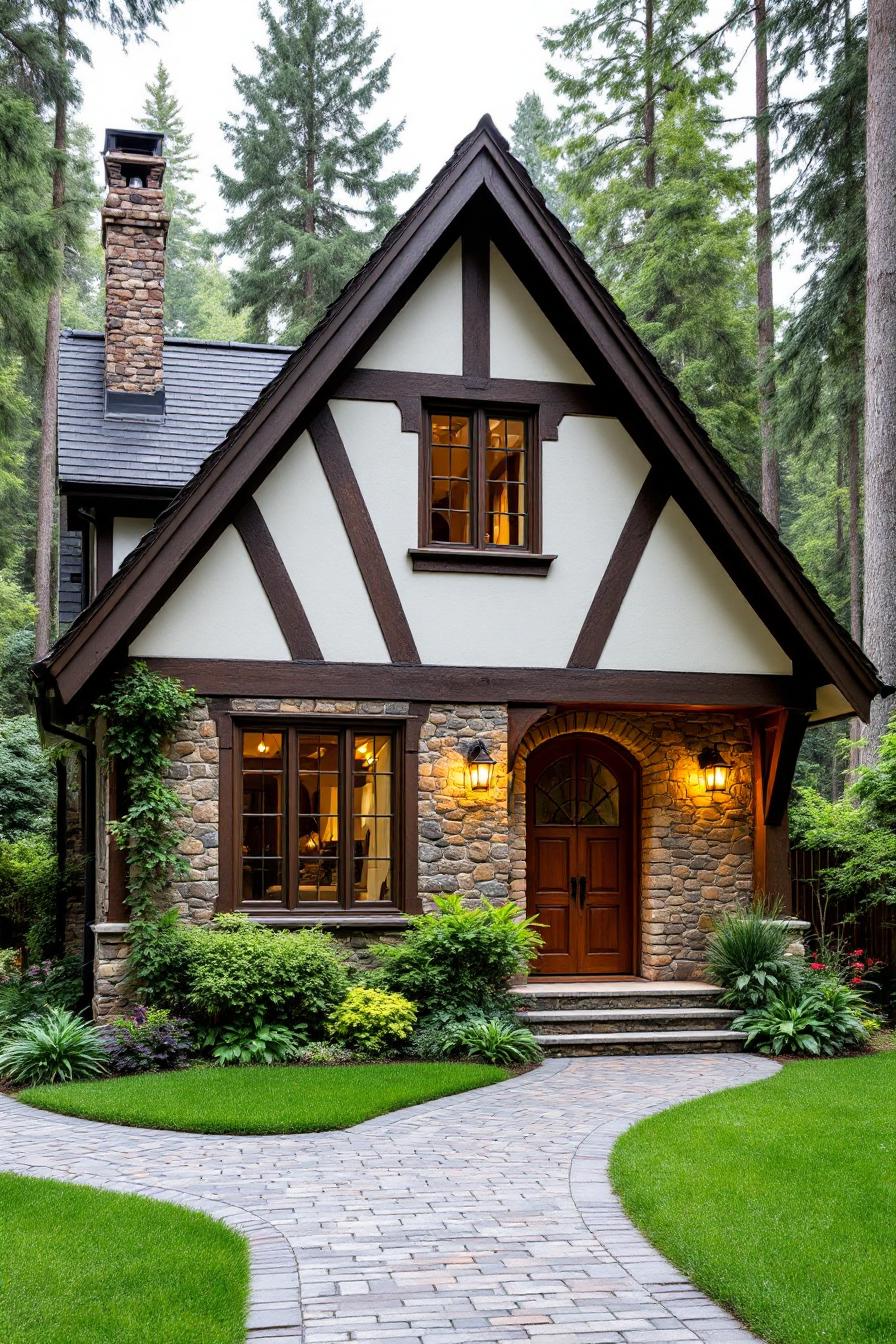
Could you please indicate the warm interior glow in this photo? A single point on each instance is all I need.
(714, 770)
(480, 766)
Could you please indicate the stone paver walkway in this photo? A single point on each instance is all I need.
(480, 1219)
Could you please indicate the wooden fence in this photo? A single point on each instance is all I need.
(874, 931)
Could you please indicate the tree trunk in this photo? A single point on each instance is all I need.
(771, 485)
(649, 99)
(309, 220)
(46, 468)
(855, 567)
(880, 360)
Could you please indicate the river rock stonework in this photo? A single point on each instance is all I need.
(696, 850)
(464, 840)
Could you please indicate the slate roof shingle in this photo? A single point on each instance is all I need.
(209, 385)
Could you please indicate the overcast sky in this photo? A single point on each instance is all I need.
(451, 63)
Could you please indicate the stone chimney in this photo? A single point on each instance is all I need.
(135, 226)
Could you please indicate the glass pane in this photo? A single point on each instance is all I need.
(458, 528)
(598, 794)
(441, 492)
(441, 461)
(440, 432)
(318, 816)
(506, 492)
(460, 429)
(261, 840)
(555, 794)
(372, 821)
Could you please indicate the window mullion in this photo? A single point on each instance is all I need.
(478, 421)
(345, 818)
(291, 820)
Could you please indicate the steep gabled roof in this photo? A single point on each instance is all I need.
(481, 177)
(208, 386)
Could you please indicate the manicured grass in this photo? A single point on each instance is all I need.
(79, 1265)
(282, 1100)
(779, 1199)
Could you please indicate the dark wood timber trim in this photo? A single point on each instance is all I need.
(480, 178)
(228, 803)
(363, 538)
(519, 685)
(427, 560)
(649, 504)
(278, 586)
(781, 737)
(773, 737)
(418, 713)
(476, 291)
(102, 552)
(408, 391)
(520, 718)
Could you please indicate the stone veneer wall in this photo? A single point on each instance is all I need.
(697, 852)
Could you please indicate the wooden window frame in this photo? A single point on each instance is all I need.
(478, 554)
(344, 729)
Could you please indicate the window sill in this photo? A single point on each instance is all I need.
(496, 561)
(343, 921)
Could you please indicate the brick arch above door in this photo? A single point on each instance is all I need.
(696, 853)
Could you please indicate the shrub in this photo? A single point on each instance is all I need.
(55, 1048)
(46, 984)
(235, 973)
(372, 1021)
(498, 1042)
(255, 1042)
(27, 786)
(745, 956)
(436, 1034)
(149, 1040)
(29, 893)
(811, 1022)
(458, 956)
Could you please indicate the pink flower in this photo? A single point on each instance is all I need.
(856, 981)
(816, 965)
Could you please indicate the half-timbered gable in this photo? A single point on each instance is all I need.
(470, 515)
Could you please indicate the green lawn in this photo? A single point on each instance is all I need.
(275, 1100)
(79, 1265)
(779, 1199)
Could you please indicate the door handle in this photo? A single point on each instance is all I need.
(572, 890)
(582, 893)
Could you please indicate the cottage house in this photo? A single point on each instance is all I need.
(468, 598)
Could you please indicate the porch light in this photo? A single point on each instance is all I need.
(714, 769)
(480, 765)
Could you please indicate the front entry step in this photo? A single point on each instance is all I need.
(641, 1042)
(627, 1017)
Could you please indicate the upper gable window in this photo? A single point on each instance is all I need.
(478, 482)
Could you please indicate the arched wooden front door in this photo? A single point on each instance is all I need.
(581, 855)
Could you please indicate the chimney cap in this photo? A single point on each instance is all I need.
(145, 143)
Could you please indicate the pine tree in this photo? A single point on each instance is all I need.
(189, 246)
(661, 213)
(310, 198)
(57, 44)
(532, 140)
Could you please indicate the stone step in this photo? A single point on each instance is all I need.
(640, 1042)
(584, 997)
(601, 1020)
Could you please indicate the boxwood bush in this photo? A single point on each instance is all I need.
(236, 972)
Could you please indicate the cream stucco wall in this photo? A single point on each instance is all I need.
(523, 342)
(426, 335)
(683, 613)
(304, 521)
(219, 611)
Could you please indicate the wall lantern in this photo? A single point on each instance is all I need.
(480, 765)
(714, 770)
